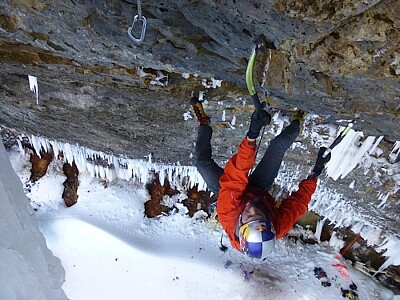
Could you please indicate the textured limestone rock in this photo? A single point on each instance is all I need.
(338, 59)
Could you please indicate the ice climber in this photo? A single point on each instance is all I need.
(246, 210)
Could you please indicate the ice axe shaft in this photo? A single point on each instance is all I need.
(261, 42)
(337, 140)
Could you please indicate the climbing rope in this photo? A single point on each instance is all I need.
(343, 252)
(139, 17)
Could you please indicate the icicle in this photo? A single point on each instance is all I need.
(383, 199)
(318, 230)
(390, 247)
(34, 87)
(266, 68)
(357, 158)
(96, 171)
(373, 148)
(35, 145)
(162, 177)
(20, 147)
(335, 242)
(126, 169)
(90, 169)
(102, 173)
(346, 156)
(68, 153)
(170, 179)
(233, 121)
(394, 154)
(351, 186)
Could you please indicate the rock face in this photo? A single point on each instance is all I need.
(339, 59)
(100, 89)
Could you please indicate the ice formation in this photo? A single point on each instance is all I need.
(211, 83)
(33, 85)
(233, 122)
(118, 167)
(318, 230)
(187, 116)
(28, 268)
(349, 154)
(394, 155)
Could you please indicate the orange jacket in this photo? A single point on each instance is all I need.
(235, 192)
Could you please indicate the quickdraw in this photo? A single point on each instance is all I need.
(138, 18)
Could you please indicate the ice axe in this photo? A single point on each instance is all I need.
(338, 139)
(261, 43)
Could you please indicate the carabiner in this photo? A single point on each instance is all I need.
(141, 38)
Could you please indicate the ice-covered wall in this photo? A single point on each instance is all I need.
(28, 269)
(118, 167)
(350, 154)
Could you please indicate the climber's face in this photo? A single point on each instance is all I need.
(252, 213)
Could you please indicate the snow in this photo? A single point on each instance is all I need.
(211, 83)
(110, 250)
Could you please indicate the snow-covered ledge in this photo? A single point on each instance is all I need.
(28, 269)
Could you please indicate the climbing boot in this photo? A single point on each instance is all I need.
(198, 110)
(299, 115)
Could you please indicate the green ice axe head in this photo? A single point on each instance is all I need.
(249, 80)
(261, 42)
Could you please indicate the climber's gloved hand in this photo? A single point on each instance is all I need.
(259, 118)
(320, 163)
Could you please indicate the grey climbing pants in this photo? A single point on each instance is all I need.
(265, 172)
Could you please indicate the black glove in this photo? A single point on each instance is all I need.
(259, 118)
(321, 162)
